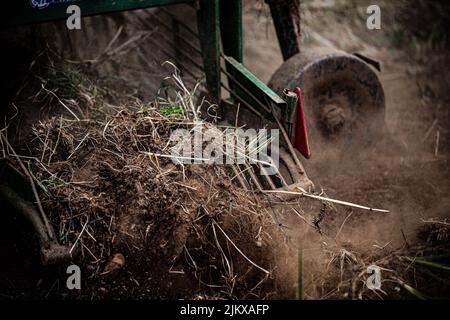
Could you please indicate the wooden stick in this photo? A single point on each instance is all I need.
(309, 195)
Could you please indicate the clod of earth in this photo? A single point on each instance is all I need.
(115, 264)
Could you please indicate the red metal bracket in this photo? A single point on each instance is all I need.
(301, 132)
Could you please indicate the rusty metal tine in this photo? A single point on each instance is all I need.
(254, 177)
(268, 179)
(239, 174)
(282, 179)
(289, 162)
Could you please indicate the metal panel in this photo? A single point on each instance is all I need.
(22, 12)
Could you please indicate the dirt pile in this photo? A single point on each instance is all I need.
(140, 225)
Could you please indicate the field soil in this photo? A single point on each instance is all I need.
(405, 171)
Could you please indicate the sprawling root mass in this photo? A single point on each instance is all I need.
(139, 224)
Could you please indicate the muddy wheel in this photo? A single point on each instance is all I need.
(343, 98)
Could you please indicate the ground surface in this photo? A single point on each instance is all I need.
(402, 172)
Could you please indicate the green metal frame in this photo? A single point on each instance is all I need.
(231, 28)
(21, 12)
(208, 18)
(250, 90)
(219, 21)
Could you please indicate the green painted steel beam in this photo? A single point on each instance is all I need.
(22, 12)
(209, 33)
(231, 28)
